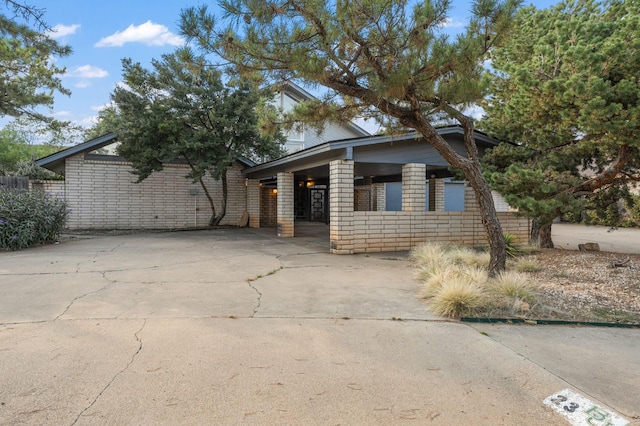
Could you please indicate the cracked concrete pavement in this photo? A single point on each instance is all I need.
(238, 327)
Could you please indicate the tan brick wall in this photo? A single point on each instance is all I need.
(54, 187)
(397, 231)
(253, 202)
(286, 214)
(268, 208)
(341, 198)
(413, 187)
(103, 195)
(362, 198)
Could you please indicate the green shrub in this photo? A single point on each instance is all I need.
(28, 218)
(512, 247)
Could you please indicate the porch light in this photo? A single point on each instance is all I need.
(274, 191)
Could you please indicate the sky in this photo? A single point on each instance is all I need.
(101, 33)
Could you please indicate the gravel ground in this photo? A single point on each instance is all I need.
(586, 286)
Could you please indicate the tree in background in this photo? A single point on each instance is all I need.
(28, 76)
(20, 145)
(391, 57)
(566, 88)
(182, 110)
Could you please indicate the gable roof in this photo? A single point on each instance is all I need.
(56, 162)
(300, 94)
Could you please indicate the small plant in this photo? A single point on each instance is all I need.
(513, 285)
(526, 265)
(437, 278)
(28, 218)
(456, 298)
(467, 257)
(512, 247)
(428, 254)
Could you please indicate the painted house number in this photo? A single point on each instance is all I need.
(581, 411)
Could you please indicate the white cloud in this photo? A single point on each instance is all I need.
(98, 108)
(452, 23)
(82, 84)
(63, 114)
(147, 33)
(87, 71)
(87, 121)
(61, 30)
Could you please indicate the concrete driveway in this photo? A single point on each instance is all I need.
(239, 327)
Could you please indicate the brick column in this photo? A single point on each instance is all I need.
(341, 206)
(439, 192)
(413, 187)
(253, 202)
(286, 218)
(380, 201)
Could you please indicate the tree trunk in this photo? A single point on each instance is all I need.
(540, 235)
(534, 235)
(545, 236)
(490, 222)
(215, 220)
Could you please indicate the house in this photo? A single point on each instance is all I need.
(100, 188)
(288, 95)
(376, 193)
(348, 184)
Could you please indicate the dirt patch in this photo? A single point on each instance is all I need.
(586, 286)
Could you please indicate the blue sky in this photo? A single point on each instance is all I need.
(102, 33)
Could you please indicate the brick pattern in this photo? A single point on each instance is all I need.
(286, 214)
(268, 208)
(362, 200)
(397, 231)
(253, 202)
(439, 194)
(413, 187)
(341, 204)
(380, 201)
(104, 195)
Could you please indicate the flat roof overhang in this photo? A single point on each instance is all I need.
(373, 156)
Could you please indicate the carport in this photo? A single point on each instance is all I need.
(345, 184)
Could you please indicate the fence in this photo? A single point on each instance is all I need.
(14, 182)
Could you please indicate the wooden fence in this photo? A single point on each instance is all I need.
(14, 182)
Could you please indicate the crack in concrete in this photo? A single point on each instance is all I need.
(250, 281)
(93, 258)
(126, 367)
(258, 302)
(104, 276)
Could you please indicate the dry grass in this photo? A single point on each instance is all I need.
(458, 297)
(455, 280)
(514, 285)
(526, 265)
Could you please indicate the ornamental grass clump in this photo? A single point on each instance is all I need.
(513, 286)
(456, 282)
(29, 218)
(456, 298)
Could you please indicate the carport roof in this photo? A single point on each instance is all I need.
(373, 156)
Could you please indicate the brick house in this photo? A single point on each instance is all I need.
(348, 185)
(101, 191)
(375, 193)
